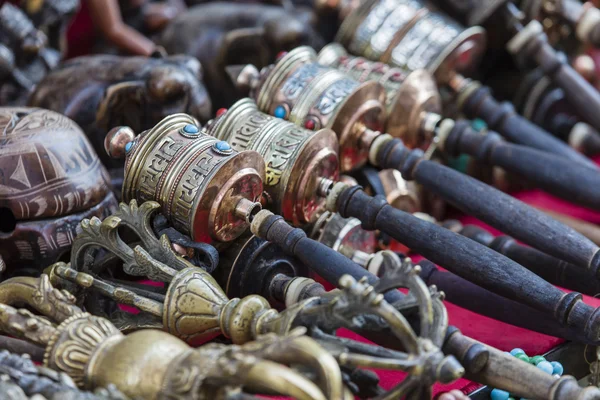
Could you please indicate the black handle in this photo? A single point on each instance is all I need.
(323, 260)
(590, 144)
(331, 265)
(563, 178)
(555, 271)
(584, 97)
(469, 259)
(481, 301)
(502, 118)
(495, 208)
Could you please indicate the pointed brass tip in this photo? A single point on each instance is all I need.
(269, 375)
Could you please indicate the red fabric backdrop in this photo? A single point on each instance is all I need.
(495, 333)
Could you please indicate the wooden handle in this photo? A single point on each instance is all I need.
(519, 378)
(323, 260)
(469, 259)
(562, 177)
(495, 208)
(587, 229)
(555, 271)
(502, 118)
(583, 96)
(481, 301)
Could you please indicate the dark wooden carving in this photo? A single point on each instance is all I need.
(221, 34)
(50, 178)
(101, 92)
(25, 57)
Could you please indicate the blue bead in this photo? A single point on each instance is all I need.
(557, 368)
(128, 147)
(516, 351)
(191, 129)
(279, 112)
(498, 394)
(546, 367)
(222, 146)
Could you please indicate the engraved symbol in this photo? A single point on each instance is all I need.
(20, 175)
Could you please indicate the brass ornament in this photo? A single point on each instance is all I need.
(205, 188)
(195, 309)
(95, 354)
(296, 158)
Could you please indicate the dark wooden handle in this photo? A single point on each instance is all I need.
(583, 96)
(323, 260)
(590, 145)
(481, 301)
(502, 118)
(555, 271)
(490, 205)
(562, 177)
(469, 259)
(331, 265)
(519, 378)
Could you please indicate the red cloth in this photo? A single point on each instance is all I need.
(495, 333)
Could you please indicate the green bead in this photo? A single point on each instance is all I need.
(478, 125)
(460, 163)
(522, 357)
(537, 359)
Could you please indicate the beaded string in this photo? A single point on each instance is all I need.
(551, 367)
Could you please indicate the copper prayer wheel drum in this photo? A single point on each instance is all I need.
(50, 179)
(409, 35)
(203, 186)
(408, 94)
(315, 96)
(296, 158)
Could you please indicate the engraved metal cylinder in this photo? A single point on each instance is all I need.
(197, 179)
(315, 96)
(296, 159)
(408, 94)
(407, 34)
